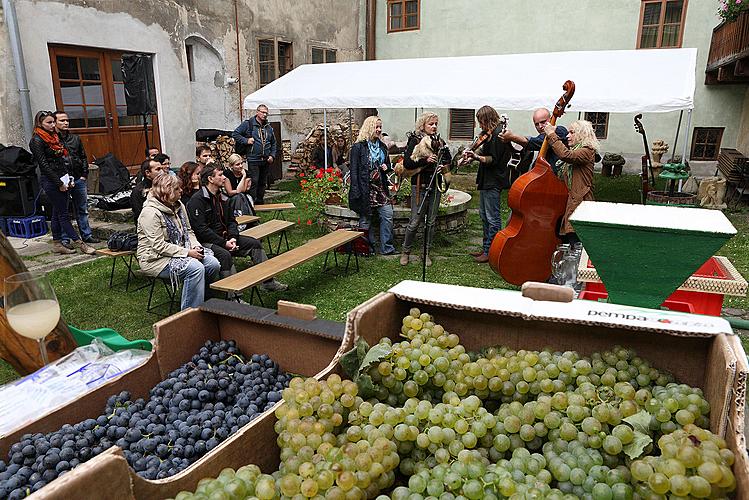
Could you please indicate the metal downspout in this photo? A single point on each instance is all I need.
(18, 61)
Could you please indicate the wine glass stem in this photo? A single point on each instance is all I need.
(43, 350)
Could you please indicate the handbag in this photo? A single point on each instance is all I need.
(123, 242)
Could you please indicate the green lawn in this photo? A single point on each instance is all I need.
(87, 302)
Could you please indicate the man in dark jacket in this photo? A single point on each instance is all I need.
(213, 223)
(79, 167)
(256, 135)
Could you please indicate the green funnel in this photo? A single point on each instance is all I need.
(643, 253)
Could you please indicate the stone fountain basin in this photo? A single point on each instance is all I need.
(450, 219)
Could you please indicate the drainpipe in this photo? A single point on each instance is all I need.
(15, 47)
(370, 29)
(239, 62)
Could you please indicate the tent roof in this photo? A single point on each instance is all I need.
(622, 81)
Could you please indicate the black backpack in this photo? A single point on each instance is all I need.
(113, 176)
(122, 242)
(16, 161)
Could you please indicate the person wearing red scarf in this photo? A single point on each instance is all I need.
(53, 161)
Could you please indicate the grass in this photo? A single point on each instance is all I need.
(88, 303)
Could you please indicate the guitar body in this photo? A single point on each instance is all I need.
(522, 251)
(647, 165)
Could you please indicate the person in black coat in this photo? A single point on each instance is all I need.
(493, 176)
(149, 169)
(212, 221)
(53, 160)
(79, 168)
(370, 188)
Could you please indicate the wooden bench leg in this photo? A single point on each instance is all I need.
(283, 236)
(254, 292)
(111, 274)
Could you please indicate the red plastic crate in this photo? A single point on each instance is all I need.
(671, 305)
(710, 304)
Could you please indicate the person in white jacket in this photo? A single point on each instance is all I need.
(167, 247)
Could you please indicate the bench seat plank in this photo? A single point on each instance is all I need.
(265, 270)
(247, 219)
(267, 229)
(269, 207)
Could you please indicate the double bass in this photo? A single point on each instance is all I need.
(522, 251)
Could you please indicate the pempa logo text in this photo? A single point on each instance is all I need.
(630, 316)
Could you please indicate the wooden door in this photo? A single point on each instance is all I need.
(89, 87)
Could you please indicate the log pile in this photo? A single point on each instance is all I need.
(301, 159)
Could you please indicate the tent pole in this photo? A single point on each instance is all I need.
(686, 138)
(325, 135)
(676, 137)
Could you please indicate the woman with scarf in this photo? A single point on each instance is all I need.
(56, 179)
(369, 189)
(167, 247)
(421, 169)
(575, 168)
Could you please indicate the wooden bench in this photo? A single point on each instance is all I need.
(276, 208)
(127, 258)
(268, 229)
(257, 274)
(247, 219)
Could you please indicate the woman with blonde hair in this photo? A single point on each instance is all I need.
(167, 246)
(424, 151)
(369, 189)
(236, 179)
(575, 168)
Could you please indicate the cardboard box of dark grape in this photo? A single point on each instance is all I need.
(299, 345)
(701, 351)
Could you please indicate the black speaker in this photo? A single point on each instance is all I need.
(17, 195)
(140, 90)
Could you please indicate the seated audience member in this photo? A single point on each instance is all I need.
(167, 246)
(166, 161)
(189, 176)
(204, 156)
(216, 228)
(152, 151)
(236, 179)
(149, 170)
(237, 187)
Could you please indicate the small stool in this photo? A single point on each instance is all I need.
(173, 294)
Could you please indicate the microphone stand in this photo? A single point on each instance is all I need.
(423, 214)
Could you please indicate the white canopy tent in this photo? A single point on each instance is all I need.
(616, 81)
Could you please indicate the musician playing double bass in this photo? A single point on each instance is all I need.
(575, 168)
(493, 176)
(425, 152)
(541, 117)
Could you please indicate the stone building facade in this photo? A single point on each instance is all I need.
(207, 56)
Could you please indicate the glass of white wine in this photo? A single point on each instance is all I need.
(31, 307)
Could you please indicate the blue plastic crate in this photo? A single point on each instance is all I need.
(26, 227)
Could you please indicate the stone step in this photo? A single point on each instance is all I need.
(123, 215)
(103, 230)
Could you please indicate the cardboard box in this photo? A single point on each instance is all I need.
(304, 347)
(701, 351)
(698, 350)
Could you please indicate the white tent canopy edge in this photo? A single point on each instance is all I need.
(616, 81)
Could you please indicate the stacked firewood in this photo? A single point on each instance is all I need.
(221, 148)
(301, 159)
